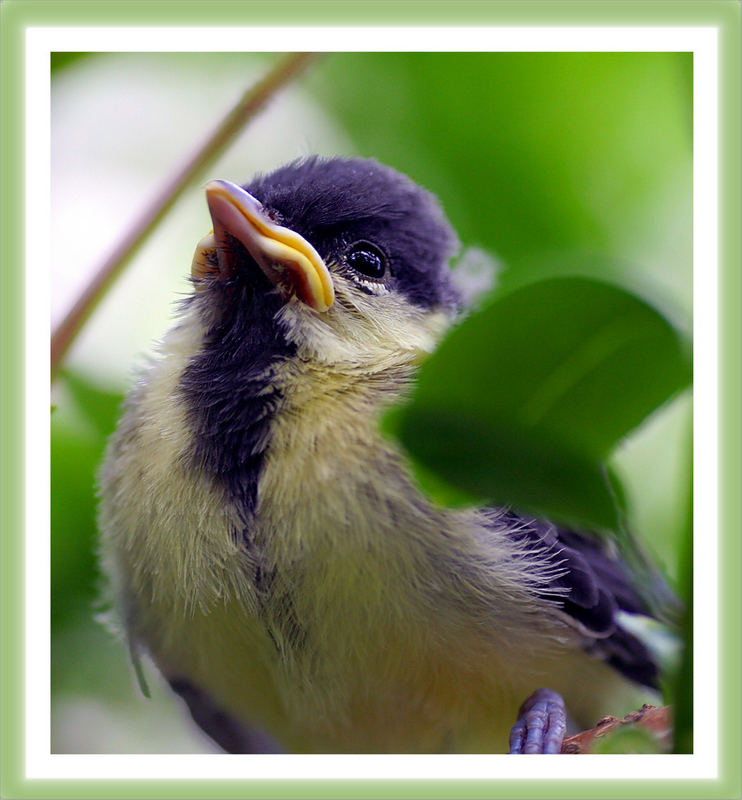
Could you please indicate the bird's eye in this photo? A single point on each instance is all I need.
(367, 259)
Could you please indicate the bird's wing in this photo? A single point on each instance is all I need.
(591, 588)
(226, 730)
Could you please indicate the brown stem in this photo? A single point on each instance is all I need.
(246, 108)
(658, 721)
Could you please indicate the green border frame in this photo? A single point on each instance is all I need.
(16, 16)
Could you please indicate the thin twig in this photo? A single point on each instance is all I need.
(248, 106)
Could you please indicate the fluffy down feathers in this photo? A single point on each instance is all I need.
(271, 550)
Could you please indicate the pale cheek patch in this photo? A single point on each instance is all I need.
(374, 331)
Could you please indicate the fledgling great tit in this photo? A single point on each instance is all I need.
(271, 550)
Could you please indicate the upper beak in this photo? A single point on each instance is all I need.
(286, 258)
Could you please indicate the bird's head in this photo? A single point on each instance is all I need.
(343, 260)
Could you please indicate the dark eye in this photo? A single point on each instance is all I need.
(367, 259)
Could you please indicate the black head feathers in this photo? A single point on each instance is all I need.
(337, 202)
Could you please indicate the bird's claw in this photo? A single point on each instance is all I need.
(541, 725)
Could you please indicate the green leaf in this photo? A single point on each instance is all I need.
(79, 429)
(628, 739)
(74, 459)
(524, 400)
(681, 683)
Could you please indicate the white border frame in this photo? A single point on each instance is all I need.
(703, 43)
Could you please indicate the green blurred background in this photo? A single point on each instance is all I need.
(551, 164)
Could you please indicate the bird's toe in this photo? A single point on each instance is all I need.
(541, 724)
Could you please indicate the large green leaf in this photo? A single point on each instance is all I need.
(523, 402)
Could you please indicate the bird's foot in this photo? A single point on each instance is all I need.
(541, 725)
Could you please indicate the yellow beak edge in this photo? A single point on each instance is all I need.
(285, 257)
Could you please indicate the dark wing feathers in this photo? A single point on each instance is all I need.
(227, 731)
(591, 586)
(610, 571)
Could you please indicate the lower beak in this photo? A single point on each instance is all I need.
(285, 257)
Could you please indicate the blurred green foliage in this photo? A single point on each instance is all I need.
(550, 160)
(80, 426)
(62, 60)
(681, 682)
(559, 164)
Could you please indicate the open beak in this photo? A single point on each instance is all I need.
(285, 257)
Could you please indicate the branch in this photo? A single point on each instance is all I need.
(246, 108)
(657, 721)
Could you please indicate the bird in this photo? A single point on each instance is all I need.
(272, 551)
